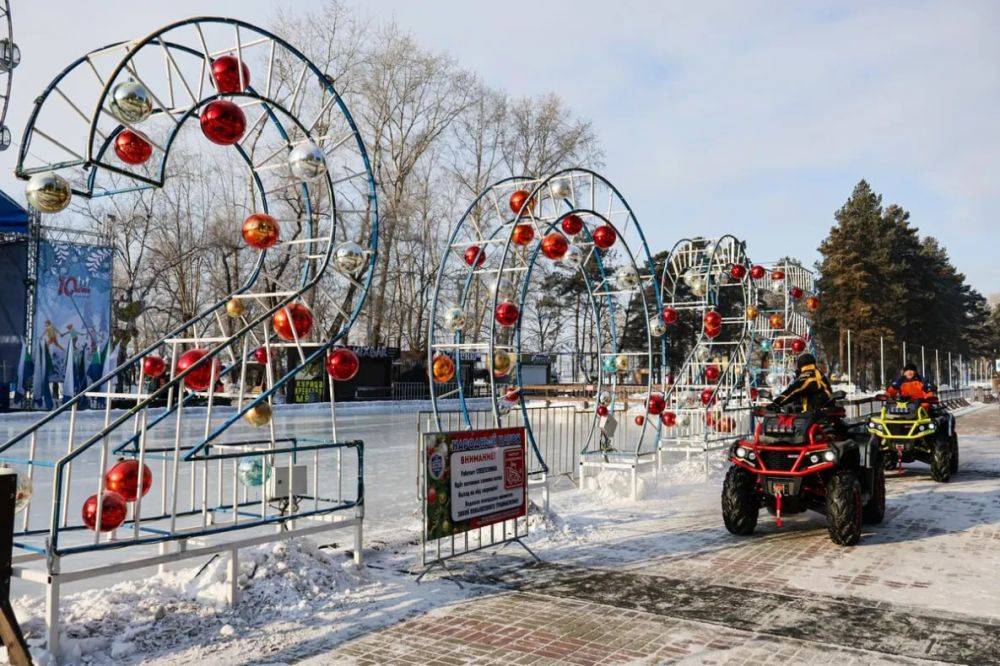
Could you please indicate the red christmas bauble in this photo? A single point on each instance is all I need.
(798, 346)
(737, 271)
(123, 478)
(572, 224)
(342, 364)
(132, 147)
(812, 304)
(713, 319)
(757, 272)
(431, 495)
(474, 256)
(602, 410)
(655, 403)
(113, 511)
(260, 355)
(554, 246)
(670, 316)
(223, 122)
(640, 419)
(522, 234)
(517, 200)
(260, 231)
(754, 393)
(668, 419)
(776, 320)
(605, 236)
(795, 293)
(708, 397)
(301, 319)
(153, 366)
(506, 313)
(512, 395)
(226, 72)
(712, 373)
(205, 370)
(712, 333)
(777, 275)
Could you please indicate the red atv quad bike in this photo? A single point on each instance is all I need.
(799, 461)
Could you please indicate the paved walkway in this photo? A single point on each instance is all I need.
(921, 587)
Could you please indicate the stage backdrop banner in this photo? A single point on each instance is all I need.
(73, 301)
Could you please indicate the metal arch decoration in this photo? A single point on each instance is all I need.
(10, 58)
(792, 299)
(490, 265)
(710, 284)
(321, 167)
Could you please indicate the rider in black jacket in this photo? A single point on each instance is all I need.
(811, 388)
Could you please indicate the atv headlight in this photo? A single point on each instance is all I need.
(741, 452)
(829, 456)
(752, 456)
(931, 426)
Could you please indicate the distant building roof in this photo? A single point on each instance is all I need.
(13, 218)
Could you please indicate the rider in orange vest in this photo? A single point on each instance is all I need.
(910, 384)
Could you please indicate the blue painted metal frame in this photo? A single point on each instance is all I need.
(307, 283)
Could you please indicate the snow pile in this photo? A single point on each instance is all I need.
(141, 618)
(611, 485)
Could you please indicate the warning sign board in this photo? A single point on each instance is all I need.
(474, 478)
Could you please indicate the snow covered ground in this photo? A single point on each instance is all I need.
(939, 549)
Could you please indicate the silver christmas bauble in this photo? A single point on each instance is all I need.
(48, 192)
(604, 397)
(307, 161)
(657, 327)
(350, 258)
(573, 256)
(689, 276)
(454, 319)
(684, 420)
(560, 188)
(709, 248)
(627, 278)
(775, 379)
(698, 287)
(131, 102)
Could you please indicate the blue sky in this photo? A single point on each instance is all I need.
(750, 118)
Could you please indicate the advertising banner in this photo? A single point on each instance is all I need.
(73, 303)
(473, 478)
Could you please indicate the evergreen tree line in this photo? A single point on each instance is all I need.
(883, 281)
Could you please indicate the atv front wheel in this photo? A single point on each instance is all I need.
(941, 461)
(843, 507)
(874, 509)
(740, 501)
(954, 454)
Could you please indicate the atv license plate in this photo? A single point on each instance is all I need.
(789, 486)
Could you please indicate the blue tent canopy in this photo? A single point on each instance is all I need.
(13, 218)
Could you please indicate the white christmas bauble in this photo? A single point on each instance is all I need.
(627, 278)
(454, 319)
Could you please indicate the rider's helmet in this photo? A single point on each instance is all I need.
(803, 360)
(910, 366)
